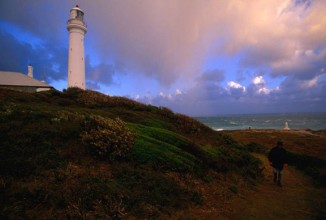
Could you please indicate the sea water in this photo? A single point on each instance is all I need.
(313, 121)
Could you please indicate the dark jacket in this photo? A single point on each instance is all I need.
(277, 156)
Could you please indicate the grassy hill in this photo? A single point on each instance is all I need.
(306, 148)
(82, 154)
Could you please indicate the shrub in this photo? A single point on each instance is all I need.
(166, 112)
(72, 93)
(197, 198)
(150, 192)
(237, 159)
(234, 189)
(183, 123)
(256, 148)
(312, 166)
(96, 99)
(8, 109)
(107, 138)
(187, 124)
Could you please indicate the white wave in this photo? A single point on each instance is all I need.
(218, 129)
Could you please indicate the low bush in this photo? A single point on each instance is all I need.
(187, 124)
(107, 138)
(312, 166)
(94, 198)
(28, 142)
(150, 192)
(166, 112)
(237, 159)
(256, 148)
(96, 99)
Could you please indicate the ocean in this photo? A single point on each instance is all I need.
(297, 121)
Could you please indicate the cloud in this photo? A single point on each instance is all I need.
(235, 89)
(47, 61)
(292, 95)
(171, 41)
(211, 76)
(100, 73)
(288, 41)
(303, 64)
(235, 85)
(178, 92)
(259, 85)
(162, 39)
(307, 84)
(258, 80)
(92, 85)
(42, 18)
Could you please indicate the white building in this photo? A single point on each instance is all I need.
(76, 58)
(22, 82)
(286, 126)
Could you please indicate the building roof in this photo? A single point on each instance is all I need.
(77, 8)
(19, 79)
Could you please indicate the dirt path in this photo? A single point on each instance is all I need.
(297, 199)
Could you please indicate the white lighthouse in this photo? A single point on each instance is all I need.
(76, 58)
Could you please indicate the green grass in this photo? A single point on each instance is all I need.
(156, 123)
(47, 172)
(213, 151)
(162, 155)
(162, 135)
(161, 149)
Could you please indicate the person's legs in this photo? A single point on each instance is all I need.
(275, 172)
(280, 172)
(277, 176)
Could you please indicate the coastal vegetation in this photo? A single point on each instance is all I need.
(86, 155)
(83, 154)
(305, 148)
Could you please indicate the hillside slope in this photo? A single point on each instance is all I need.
(297, 199)
(82, 154)
(303, 195)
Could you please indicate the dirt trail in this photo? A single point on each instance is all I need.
(297, 199)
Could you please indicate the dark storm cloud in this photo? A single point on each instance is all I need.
(49, 62)
(38, 20)
(305, 65)
(12, 53)
(37, 16)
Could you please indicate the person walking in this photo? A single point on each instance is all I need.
(277, 158)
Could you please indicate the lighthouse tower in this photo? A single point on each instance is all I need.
(76, 60)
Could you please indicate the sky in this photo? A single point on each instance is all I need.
(196, 57)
